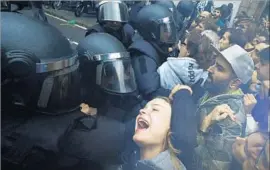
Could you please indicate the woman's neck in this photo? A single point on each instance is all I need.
(150, 152)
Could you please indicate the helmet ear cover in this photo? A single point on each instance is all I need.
(19, 63)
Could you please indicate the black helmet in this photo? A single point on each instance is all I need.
(115, 11)
(177, 17)
(39, 67)
(185, 7)
(156, 24)
(167, 3)
(103, 58)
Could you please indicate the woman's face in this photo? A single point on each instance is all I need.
(224, 42)
(183, 49)
(248, 150)
(153, 123)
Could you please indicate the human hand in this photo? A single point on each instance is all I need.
(249, 103)
(221, 112)
(88, 110)
(177, 88)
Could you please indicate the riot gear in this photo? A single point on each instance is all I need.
(113, 70)
(112, 11)
(112, 18)
(37, 77)
(178, 21)
(40, 81)
(185, 7)
(177, 17)
(156, 25)
(134, 10)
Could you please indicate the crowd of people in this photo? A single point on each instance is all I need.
(152, 86)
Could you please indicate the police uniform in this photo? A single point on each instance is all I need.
(156, 33)
(41, 88)
(110, 64)
(113, 12)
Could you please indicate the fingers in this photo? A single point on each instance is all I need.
(222, 116)
(179, 87)
(86, 109)
(249, 99)
(228, 112)
(83, 104)
(223, 111)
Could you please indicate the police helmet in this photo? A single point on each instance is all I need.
(114, 11)
(112, 71)
(156, 24)
(171, 6)
(39, 66)
(185, 7)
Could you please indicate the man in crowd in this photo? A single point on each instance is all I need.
(223, 98)
(261, 111)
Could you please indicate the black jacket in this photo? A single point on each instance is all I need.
(145, 62)
(31, 142)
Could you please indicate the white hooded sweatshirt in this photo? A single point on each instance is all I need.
(184, 70)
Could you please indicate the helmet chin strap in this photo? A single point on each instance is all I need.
(163, 49)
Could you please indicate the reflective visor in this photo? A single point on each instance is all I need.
(56, 64)
(113, 11)
(116, 76)
(168, 31)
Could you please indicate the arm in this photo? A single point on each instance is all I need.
(147, 78)
(183, 122)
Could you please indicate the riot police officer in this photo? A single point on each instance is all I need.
(107, 77)
(178, 21)
(186, 8)
(177, 16)
(158, 32)
(136, 6)
(41, 90)
(109, 85)
(112, 18)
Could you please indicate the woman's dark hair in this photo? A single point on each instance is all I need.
(199, 48)
(237, 36)
(193, 42)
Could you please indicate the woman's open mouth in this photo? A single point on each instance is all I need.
(142, 124)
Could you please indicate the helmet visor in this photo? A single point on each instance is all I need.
(116, 76)
(113, 11)
(168, 31)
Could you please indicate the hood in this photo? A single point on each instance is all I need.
(183, 70)
(162, 161)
